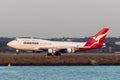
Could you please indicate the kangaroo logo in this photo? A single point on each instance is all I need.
(97, 39)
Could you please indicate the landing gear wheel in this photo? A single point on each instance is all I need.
(49, 54)
(17, 53)
(57, 54)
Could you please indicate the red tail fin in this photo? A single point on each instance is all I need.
(97, 40)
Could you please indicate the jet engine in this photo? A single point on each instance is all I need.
(70, 50)
(51, 50)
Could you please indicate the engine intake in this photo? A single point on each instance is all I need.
(51, 50)
(70, 50)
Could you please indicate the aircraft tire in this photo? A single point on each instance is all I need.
(57, 54)
(17, 53)
(48, 54)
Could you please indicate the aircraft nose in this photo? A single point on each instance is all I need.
(11, 43)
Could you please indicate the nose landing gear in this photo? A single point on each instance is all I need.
(17, 51)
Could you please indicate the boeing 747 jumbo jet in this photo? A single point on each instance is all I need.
(58, 47)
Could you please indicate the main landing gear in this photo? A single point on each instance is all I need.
(54, 54)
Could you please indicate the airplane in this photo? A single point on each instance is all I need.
(58, 47)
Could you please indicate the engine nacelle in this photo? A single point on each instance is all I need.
(51, 50)
(70, 50)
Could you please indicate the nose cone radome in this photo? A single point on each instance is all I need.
(8, 44)
(11, 43)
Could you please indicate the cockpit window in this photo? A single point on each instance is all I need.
(15, 39)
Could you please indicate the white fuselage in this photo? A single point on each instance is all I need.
(38, 44)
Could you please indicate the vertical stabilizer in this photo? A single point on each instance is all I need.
(97, 40)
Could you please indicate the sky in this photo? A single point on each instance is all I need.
(58, 18)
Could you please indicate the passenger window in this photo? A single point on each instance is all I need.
(30, 43)
(24, 42)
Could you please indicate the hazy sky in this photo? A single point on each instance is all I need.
(58, 18)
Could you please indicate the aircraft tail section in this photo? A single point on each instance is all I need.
(97, 40)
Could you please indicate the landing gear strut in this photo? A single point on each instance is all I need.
(17, 51)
